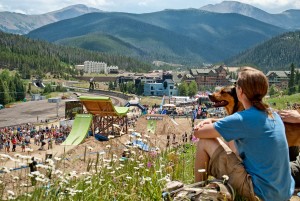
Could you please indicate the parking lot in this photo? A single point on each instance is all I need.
(31, 112)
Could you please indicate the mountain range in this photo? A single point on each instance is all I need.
(275, 54)
(18, 23)
(289, 19)
(210, 34)
(188, 36)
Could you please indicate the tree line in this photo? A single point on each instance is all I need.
(294, 81)
(188, 89)
(275, 54)
(11, 88)
(34, 57)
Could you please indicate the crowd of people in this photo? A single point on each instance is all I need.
(17, 138)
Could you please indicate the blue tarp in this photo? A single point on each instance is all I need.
(101, 137)
(141, 145)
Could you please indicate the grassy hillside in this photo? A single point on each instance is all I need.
(281, 102)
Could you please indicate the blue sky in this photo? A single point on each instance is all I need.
(135, 6)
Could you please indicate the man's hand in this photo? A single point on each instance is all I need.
(201, 124)
(290, 116)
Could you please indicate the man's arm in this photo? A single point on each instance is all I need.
(206, 131)
(290, 116)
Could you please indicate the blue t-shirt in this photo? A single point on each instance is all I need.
(261, 143)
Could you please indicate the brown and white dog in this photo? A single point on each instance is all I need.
(227, 98)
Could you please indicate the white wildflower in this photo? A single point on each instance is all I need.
(57, 158)
(5, 169)
(225, 177)
(28, 195)
(9, 192)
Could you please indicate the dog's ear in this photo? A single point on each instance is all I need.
(233, 91)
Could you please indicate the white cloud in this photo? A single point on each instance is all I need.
(274, 5)
(143, 3)
(135, 6)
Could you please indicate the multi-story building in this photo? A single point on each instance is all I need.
(278, 78)
(98, 67)
(211, 77)
(167, 88)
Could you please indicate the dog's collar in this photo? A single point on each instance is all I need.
(236, 104)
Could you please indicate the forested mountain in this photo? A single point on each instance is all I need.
(289, 19)
(21, 24)
(188, 36)
(103, 43)
(39, 57)
(275, 54)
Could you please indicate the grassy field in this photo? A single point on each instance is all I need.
(150, 100)
(281, 102)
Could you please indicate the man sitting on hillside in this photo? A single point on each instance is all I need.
(293, 116)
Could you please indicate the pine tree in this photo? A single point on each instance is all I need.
(291, 84)
(297, 77)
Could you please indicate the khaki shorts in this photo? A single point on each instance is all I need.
(226, 162)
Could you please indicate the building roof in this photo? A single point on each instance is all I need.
(189, 76)
(205, 70)
(177, 76)
(279, 73)
(232, 69)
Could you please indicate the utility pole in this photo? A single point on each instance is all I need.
(57, 106)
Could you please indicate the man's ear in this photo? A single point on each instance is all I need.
(239, 91)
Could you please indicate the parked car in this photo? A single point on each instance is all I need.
(1, 106)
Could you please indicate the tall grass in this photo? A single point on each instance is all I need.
(142, 176)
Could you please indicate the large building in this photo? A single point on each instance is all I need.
(98, 67)
(279, 78)
(211, 77)
(167, 88)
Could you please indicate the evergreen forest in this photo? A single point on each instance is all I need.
(34, 57)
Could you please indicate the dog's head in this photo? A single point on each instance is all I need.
(227, 98)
